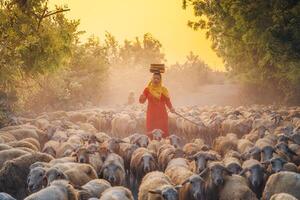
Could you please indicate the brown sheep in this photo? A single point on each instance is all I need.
(174, 140)
(255, 173)
(215, 175)
(36, 179)
(58, 190)
(200, 159)
(23, 144)
(157, 186)
(167, 155)
(282, 182)
(236, 187)
(34, 142)
(14, 173)
(82, 155)
(244, 145)
(117, 193)
(23, 133)
(142, 162)
(78, 175)
(224, 144)
(138, 139)
(4, 147)
(191, 148)
(7, 137)
(51, 147)
(113, 170)
(10, 154)
(126, 151)
(193, 184)
(96, 187)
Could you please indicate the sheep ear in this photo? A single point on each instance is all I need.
(227, 171)
(45, 181)
(155, 191)
(244, 171)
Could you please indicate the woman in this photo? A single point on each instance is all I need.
(158, 98)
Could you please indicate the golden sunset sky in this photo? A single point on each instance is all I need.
(126, 19)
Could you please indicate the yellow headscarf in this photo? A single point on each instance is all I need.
(156, 91)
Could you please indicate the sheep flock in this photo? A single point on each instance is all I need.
(232, 153)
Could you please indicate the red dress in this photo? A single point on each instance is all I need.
(157, 116)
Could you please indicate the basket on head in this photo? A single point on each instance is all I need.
(157, 68)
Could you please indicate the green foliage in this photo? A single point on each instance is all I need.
(33, 40)
(259, 41)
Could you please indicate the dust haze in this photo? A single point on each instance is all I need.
(185, 86)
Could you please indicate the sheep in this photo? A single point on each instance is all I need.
(36, 179)
(157, 186)
(84, 156)
(282, 182)
(117, 193)
(254, 172)
(112, 144)
(214, 176)
(236, 187)
(14, 173)
(4, 147)
(223, 144)
(266, 147)
(126, 151)
(122, 124)
(34, 142)
(157, 134)
(193, 185)
(142, 162)
(174, 140)
(167, 155)
(200, 160)
(138, 139)
(5, 196)
(155, 146)
(113, 170)
(10, 154)
(51, 147)
(283, 196)
(96, 187)
(23, 133)
(78, 175)
(233, 164)
(58, 190)
(7, 137)
(191, 148)
(244, 145)
(23, 143)
(285, 151)
(63, 160)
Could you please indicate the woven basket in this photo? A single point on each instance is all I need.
(157, 68)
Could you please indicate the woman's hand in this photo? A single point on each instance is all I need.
(143, 98)
(172, 110)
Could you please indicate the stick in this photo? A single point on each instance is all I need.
(187, 119)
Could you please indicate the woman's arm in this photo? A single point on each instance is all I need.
(169, 105)
(144, 96)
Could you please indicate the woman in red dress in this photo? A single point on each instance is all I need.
(158, 98)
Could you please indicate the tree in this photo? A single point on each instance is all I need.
(33, 40)
(258, 40)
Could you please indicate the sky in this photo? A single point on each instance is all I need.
(127, 19)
